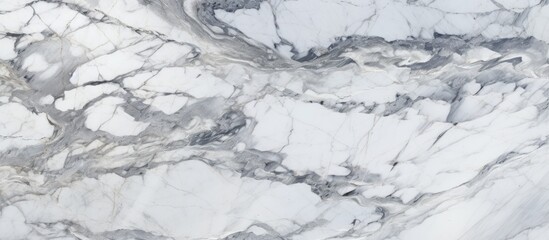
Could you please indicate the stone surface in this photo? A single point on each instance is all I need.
(301, 119)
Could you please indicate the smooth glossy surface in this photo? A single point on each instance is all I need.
(303, 119)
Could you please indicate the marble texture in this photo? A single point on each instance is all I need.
(274, 119)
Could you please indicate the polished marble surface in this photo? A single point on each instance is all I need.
(274, 119)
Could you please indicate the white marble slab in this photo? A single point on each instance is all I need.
(296, 119)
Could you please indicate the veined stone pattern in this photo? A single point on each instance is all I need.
(274, 119)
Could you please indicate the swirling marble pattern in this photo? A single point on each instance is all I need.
(274, 119)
